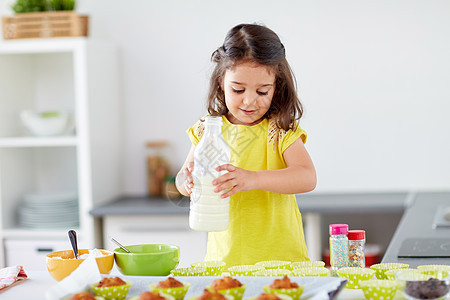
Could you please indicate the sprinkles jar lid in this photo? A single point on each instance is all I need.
(356, 235)
(338, 229)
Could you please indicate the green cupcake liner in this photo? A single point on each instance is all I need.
(390, 274)
(355, 275)
(228, 297)
(213, 268)
(190, 271)
(272, 272)
(237, 293)
(311, 272)
(437, 271)
(293, 293)
(307, 264)
(281, 296)
(244, 270)
(167, 297)
(274, 264)
(434, 267)
(375, 289)
(381, 268)
(113, 292)
(178, 292)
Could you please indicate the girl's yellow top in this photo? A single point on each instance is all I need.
(263, 225)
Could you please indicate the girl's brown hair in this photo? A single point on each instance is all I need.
(256, 43)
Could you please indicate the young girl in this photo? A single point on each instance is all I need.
(252, 87)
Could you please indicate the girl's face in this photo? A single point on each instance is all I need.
(248, 89)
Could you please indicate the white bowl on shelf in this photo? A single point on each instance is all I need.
(48, 123)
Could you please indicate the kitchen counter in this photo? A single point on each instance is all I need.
(308, 203)
(40, 281)
(417, 225)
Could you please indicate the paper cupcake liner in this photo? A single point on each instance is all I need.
(178, 292)
(188, 272)
(166, 296)
(311, 272)
(355, 275)
(293, 293)
(237, 293)
(213, 268)
(307, 264)
(228, 297)
(113, 292)
(274, 264)
(374, 289)
(281, 296)
(381, 268)
(390, 274)
(437, 271)
(244, 270)
(272, 272)
(434, 267)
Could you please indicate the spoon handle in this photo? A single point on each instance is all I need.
(73, 241)
(120, 245)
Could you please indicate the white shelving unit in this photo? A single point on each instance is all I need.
(79, 75)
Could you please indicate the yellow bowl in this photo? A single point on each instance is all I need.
(375, 289)
(311, 272)
(112, 292)
(274, 264)
(177, 292)
(294, 293)
(307, 264)
(61, 264)
(355, 275)
(213, 267)
(383, 267)
(244, 270)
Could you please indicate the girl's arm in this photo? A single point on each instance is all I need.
(184, 181)
(299, 176)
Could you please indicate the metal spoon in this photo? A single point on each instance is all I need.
(120, 245)
(73, 240)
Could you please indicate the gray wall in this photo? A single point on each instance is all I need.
(373, 77)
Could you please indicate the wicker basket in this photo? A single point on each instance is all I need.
(44, 25)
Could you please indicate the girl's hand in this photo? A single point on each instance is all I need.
(186, 180)
(234, 181)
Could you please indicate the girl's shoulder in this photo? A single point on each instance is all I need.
(282, 138)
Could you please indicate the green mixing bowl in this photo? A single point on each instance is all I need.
(147, 259)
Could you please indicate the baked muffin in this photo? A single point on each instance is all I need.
(82, 296)
(151, 296)
(111, 281)
(268, 296)
(170, 282)
(284, 283)
(225, 283)
(211, 295)
(284, 287)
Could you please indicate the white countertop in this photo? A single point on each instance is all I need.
(40, 281)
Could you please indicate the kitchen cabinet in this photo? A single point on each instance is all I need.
(78, 75)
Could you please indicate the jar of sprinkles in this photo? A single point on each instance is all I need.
(338, 247)
(356, 242)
